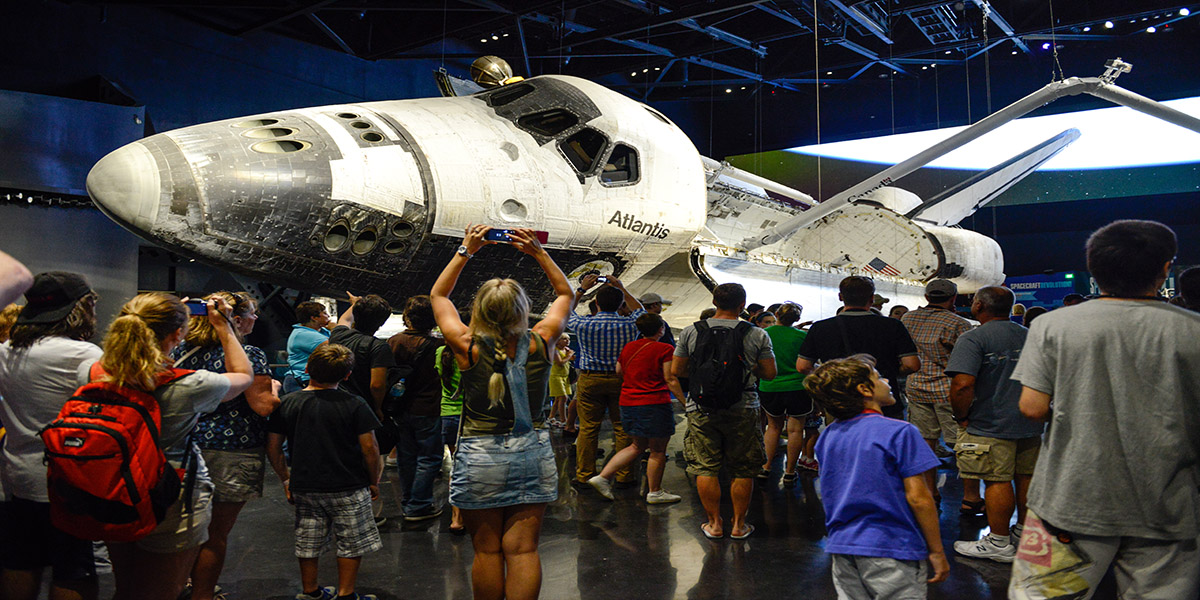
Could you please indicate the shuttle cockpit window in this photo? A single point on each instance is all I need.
(508, 93)
(583, 148)
(621, 166)
(548, 122)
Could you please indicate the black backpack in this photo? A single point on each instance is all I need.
(400, 378)
(717, 373)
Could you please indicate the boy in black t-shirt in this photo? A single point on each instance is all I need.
(336, 471)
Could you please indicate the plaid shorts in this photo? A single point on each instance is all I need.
(347, 514)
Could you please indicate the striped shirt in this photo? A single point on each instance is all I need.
(602, 336)
(935, 331)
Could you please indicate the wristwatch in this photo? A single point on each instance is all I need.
(462, 251)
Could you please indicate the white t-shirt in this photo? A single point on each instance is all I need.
(35, 382)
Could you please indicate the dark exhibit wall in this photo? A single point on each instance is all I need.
(81, 241)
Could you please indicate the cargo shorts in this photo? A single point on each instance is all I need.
(729, 438)
(994, 459)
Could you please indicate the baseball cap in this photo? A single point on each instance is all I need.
(52, 297)
(942, 288)
(652, 298)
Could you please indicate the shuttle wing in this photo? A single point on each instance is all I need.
(962, 200)
(741, 203)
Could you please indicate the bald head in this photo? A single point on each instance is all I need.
(995, 301)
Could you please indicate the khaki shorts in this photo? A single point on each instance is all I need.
(729, 438)
(993, 459)
(934, 420)
(181, 529)
(237, 475)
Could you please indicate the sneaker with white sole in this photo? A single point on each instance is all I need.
(602, 486)
(1014, 535)
(987, 548)
(662, 497)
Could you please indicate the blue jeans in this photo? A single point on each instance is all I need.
(291, 384)
(419, 458)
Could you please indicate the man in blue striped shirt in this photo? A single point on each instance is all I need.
(601, 338)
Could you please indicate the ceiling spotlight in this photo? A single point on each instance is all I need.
(947, 52)
(1151, 29)
(1108, 24)
(743, 87)
(495, 37)
(1046, 46)
(1014, 52)
(1087, 28)
(506, 35)
(924, 68)
(657, 68)
(645, 70)
(1183, 12)
(728, 90)
(633, 74)
(1145, 18)
(483, 41)
(829, 72)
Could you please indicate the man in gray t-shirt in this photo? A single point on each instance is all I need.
(1118, 479)
(997, 443)
(728, 437)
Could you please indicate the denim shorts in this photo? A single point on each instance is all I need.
(648, 420)
(493, 471)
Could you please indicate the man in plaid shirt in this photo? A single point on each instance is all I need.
(935, 329)
(601, 338)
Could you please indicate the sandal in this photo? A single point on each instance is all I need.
(971, 508)
(708, 535)
(749, 530)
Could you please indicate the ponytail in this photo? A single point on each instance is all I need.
(496, 381)
(133, 354)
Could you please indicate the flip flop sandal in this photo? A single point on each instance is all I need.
(749, 530)
(971, 508)
(708, 535)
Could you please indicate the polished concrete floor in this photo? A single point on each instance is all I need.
(596, 549)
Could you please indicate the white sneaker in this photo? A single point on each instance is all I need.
(1014, 535)
(662, 497)
(390, 462)
(602, 486)
(986, 548)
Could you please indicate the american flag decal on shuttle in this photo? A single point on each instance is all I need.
(878, 266)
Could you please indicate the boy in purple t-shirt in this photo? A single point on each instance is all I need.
(879, 513)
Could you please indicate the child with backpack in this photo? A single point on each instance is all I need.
(335, 471)
(880, 516)
(157, 407)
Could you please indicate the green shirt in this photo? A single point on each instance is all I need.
(451, 400)
(786, 342)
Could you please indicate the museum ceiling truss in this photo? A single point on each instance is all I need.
(667, 50)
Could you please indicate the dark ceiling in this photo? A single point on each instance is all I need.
(671, 50)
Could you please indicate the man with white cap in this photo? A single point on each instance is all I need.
(653, 303)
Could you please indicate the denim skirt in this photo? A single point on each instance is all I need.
(493, 471)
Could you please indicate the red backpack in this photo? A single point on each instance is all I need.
(108, 478)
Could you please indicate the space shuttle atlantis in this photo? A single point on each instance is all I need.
(373, 197)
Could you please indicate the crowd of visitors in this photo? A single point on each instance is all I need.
(1083, 426)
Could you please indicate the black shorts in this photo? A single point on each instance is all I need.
(29, 542)
(790, 404)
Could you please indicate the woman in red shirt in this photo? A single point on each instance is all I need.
(646, 415)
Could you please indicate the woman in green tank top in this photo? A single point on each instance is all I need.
(504, 471)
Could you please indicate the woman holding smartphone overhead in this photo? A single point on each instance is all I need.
(504, 470)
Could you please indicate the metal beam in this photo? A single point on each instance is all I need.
(1001, 23)
(667, 52)
(713, 32)
(669, 18)
(849, 45)
(328, 31)
(856, 15)
(779, 14)
(299, 12)
(524, 48)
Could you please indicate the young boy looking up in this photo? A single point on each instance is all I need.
(879, 513)
(336, 474)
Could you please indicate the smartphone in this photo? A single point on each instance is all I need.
(196, 307)
(498, 235)
(602, 279)
(501, 235)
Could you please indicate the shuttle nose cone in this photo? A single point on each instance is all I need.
(125, 185)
